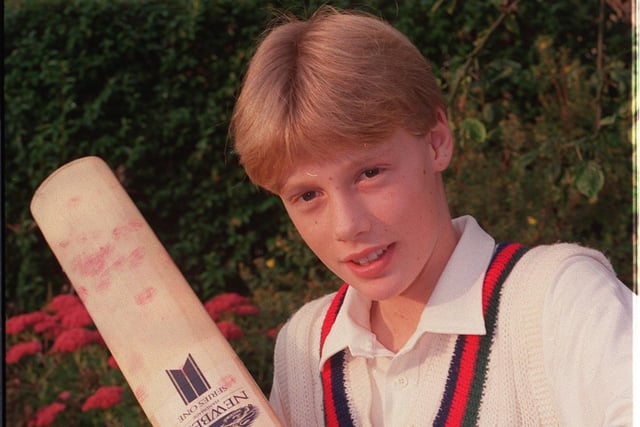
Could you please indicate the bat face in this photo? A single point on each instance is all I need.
(180, 367)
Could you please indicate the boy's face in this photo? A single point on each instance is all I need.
(376, 218)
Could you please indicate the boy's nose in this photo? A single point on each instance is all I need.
(350, 219)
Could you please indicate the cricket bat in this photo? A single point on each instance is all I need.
(178, 364)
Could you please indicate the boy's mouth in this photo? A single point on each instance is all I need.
(370, 258)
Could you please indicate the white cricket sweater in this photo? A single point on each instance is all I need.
(516, 390)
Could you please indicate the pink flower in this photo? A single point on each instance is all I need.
(214, 314)
(104, 398)
(223, 302)
(230, 330)
(75, 317)
(18, 351)
(272, 333)
(230, 302)
(73, 339)
(64, 395)
(16, 324)
(48, 326)
(47, 415)
(246, 310)
(112, 363)
(63, 302)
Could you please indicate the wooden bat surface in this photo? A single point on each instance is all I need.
(180, 367)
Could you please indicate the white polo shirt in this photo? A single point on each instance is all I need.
(587, 328)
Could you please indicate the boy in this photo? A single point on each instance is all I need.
(341, 117)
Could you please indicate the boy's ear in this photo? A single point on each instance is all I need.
(441, 143)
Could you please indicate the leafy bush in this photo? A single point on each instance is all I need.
(56, 362)
(59, 370)
(147, 86)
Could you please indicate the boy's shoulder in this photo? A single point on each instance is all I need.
(311, 313)
(549, 258)
(302, 331)
(565, 272)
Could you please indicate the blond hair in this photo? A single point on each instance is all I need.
(316, 88)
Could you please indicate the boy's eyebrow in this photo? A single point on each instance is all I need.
(290, 188)
(354, 160)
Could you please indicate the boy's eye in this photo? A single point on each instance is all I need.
(308, 196)
(370, 173)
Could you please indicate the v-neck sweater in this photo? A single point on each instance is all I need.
(517, 383)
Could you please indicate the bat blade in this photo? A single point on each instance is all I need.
(180, 367)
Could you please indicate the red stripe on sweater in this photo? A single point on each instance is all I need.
(332, 313)
(465, 379)
(472, 342)
(493, 274)
(331, 417)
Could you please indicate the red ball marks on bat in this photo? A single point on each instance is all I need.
(119, 262)
(165, 261)
(92, 264)
(146, 296)
(228, 381)
(125, 230)
(104, 283)
(73, 201)
(136, 256)
(83, 293)
(140, 393)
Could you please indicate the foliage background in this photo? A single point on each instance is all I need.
(539, 100)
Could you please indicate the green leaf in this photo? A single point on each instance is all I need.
(474, 130)
(607, 121)
(504, 67)
(489, 113)
(451, 7)
(590, 179)
(511, 23)
(527, 158)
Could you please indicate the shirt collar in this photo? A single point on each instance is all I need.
(455, 306)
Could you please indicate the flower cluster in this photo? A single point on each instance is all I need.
(224, 307)
(47, 415)
(104, 398)
(230, 303)
(16, 352)
(73, 339)
(59, 335)
(64, 320)
(60, 371)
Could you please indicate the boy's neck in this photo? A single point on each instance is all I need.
(394, 321)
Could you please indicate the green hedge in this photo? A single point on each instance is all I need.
(541, 114)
